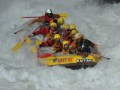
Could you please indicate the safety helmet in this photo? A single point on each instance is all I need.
(78, 35)
(65, 42)
(60, 21)
(48, 10)
(65, 26)
(74, 32)
(53, 24)
(57, 36)
(72, 26)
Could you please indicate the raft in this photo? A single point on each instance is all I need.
(68, 60)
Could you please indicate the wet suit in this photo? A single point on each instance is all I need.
(84, 46)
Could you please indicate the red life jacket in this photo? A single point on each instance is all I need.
(47, 43)
(48, 19)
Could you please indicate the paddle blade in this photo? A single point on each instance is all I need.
(17, 47)
(63, 15)
(38, 42)
(28, 41)
(33, 49)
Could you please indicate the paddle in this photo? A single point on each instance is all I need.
(106, 57)
(18, 31)
(17, 46)
(63, 15)
(34, 47)
(27, 40)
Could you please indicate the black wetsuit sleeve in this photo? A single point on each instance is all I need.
(90, 43)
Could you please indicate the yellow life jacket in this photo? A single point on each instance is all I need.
(65, 51)
(57, 46)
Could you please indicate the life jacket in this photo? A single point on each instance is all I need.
(65, 49)
(57, 46)
(54, 31)
(73, 45)
(49, 36)
(46, 43)
(65, 34)
(70, 38)
(48, 19)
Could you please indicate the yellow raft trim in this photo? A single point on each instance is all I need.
(69, 59)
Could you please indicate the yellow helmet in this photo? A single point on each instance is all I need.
(74, 32)
(65, 42)
(53, 24)
(78, 35)
(57, 36)
(65, 26)
(60, 21)
(72, 26)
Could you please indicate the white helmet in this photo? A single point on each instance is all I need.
(78, 35)
(48, 11)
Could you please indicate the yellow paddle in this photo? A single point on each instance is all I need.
(63, 15)
(34, 47)
(17, 46)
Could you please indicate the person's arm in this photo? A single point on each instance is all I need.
(39, 19)
(47, 43)
(42, 30)
(56, 16)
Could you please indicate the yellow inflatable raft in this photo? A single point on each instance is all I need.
(69, 61)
